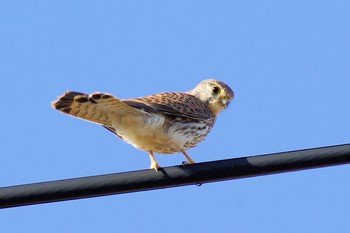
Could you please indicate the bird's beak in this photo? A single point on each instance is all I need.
(225, 102)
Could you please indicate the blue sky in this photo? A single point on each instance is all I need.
(287, 61)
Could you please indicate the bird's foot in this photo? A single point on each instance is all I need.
(154, 165)
(189, 160)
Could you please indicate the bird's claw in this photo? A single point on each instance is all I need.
(155, 166)
(184, 163)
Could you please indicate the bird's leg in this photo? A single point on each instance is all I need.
(154, 164)
(189, 160)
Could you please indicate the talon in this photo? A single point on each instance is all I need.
(185, 163)
(154, 164)
(189, 160)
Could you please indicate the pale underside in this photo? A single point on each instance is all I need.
(159, 133)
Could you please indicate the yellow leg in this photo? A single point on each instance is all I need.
(189, 160)
(154, 164)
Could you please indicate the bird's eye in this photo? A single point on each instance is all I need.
(215, 90)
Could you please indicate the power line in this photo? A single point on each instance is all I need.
(199, 173)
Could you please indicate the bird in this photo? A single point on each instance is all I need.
(164, 123)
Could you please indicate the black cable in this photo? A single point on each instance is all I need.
(134, 181)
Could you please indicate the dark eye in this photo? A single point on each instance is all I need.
(215, 90)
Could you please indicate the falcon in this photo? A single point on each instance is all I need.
(164, 123)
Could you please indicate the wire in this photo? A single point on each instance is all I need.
(199, 173)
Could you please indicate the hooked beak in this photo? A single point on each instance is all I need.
(225, 102)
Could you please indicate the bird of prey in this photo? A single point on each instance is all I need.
(164, 123)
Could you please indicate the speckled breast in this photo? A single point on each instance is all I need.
(191, 131)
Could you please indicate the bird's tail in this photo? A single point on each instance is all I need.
(88, 107)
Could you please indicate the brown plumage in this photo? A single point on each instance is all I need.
(164, 123)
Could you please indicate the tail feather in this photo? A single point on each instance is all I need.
(98, 107)
(83, 106)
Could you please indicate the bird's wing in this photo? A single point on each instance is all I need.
(96, 107)
(172, 103)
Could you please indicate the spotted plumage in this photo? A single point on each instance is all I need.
(164, 123)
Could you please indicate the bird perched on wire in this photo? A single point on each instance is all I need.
(164, 123)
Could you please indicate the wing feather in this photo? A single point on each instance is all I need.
(172, 103)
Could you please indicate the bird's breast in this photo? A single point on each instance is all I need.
(164, 134)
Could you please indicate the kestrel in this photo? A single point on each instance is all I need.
(164, 123)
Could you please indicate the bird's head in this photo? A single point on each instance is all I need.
(215, 93)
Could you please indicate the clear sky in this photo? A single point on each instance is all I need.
(287, 61)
